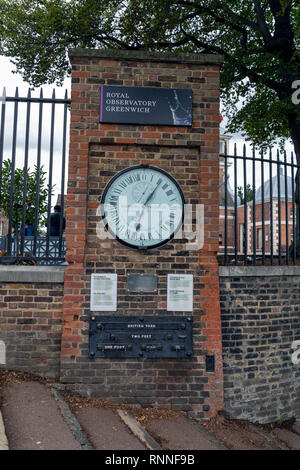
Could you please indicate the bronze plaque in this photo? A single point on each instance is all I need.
(142, 283)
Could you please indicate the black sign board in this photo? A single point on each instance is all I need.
(144, 337)
(140, 283)
(145, 105)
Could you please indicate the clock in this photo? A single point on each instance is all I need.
(142, 206)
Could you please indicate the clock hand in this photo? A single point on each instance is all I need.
(138, 219)
(143, 194)
(136, 222)
(138, 225)
(151, 194)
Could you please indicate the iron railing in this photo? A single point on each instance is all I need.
(258, 207)
(40, 124)
(41, 247)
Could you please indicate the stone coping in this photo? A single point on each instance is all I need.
(257, 271)
(32, 274)
(178, 57)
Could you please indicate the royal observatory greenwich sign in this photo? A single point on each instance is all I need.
(145, 105)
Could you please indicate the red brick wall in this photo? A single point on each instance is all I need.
(97, 152)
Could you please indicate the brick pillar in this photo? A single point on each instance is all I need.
(190, 155)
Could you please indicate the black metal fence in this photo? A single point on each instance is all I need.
(33, 152)
(258, 203)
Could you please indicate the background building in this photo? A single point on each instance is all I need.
(273, 219)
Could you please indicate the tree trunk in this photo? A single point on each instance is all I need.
(294, 125)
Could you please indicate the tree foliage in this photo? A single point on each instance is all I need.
(38, 33)
(20, 198)
(259, 40)
(249, 193)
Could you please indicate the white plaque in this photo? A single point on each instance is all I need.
(180, 292)
(104, 292)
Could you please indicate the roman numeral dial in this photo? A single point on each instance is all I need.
(143, 206)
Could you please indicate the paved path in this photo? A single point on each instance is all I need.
(181, 434)
(36, 417)
(33, 420)
(107, 431)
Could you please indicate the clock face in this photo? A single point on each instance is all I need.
(142, 206)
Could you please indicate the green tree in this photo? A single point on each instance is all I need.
(259, 39)
(249, 193)
(22, 197)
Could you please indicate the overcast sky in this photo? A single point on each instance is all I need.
(10, 80)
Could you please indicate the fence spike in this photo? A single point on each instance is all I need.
(3, 97)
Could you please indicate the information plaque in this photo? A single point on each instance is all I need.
(180, 293)
(144, 337)
(103, 292)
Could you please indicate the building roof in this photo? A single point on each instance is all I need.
(230, 194)
(275, 192)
